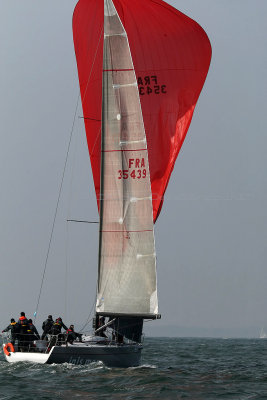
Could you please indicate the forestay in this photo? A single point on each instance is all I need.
(127, 262)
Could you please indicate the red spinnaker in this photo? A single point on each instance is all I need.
(171, 54)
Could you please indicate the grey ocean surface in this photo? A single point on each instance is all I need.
(172, 368)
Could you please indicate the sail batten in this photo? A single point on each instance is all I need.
(127, 263)
(115, 34)
(125, 85)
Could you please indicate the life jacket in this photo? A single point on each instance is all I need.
(13, 326)
(56, 328)
(23, 321)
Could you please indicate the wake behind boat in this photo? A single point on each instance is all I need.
(141, 68)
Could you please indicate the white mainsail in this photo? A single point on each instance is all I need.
(127, 260)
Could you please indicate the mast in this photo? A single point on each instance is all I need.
(127, 261)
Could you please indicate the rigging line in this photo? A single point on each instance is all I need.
(66, 272)
(55, 215)
(100, 36)
(88, 318)
(93, 63)
(63, 175)
(69, 201)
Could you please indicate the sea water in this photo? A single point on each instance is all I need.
(172, 368)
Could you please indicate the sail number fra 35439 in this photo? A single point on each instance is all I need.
(149, 85)
(136, 169)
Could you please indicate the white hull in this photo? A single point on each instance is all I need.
(38, 358)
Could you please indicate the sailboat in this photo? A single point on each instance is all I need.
(263, 334)
(141, 65)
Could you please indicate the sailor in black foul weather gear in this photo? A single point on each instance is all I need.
(47, 326)
(56, 332)
(23, 326)
(72, 335)
(32, 333)
(23, 322)
(100, 321)
(14, 330)
(57, 326)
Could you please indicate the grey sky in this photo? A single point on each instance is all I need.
(211, 235)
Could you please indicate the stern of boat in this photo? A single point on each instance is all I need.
(17, 356)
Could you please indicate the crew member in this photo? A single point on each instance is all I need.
(72, 335)
(47, 326)
(100, 321)
(32, 333)
(56, 330)
(22, 335)
(116, 336)
(14, 330)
